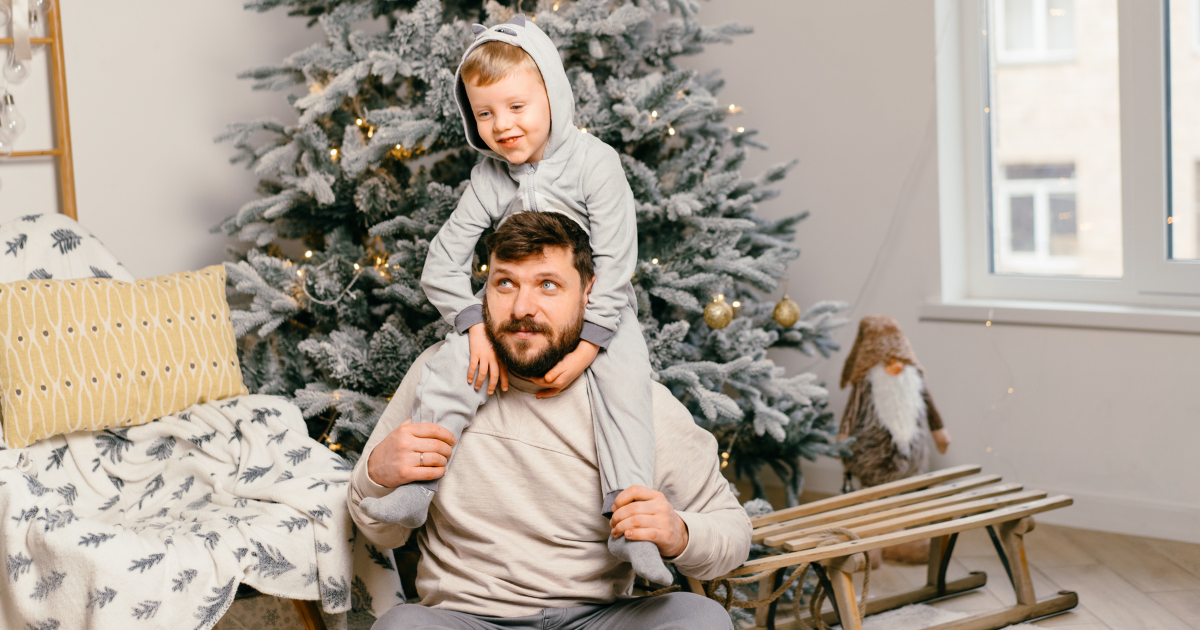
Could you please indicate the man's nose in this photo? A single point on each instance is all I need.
(526, 304)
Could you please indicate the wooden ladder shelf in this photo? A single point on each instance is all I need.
(62, 126)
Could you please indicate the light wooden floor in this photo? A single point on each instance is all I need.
(1123, 582)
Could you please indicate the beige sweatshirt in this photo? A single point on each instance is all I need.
(516, 527)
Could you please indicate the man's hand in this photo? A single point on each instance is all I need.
(412, 452)
(640, 513)
(484, 366)
(567, 370)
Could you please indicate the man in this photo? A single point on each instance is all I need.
(513, 538)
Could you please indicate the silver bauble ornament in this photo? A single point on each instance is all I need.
(786, 312)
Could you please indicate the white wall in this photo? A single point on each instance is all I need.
(150, 84)
(847, 87)
(1111, 418)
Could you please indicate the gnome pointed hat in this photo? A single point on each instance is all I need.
(879, 339)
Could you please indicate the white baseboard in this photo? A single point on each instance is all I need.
(1125, 515)
(1101, 512)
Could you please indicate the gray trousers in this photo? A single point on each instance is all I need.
(673, 611)
(618, 383)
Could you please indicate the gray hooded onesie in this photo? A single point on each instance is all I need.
(581, 177)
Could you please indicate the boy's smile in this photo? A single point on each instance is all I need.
(513, 116)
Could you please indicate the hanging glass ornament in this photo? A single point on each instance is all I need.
(718, 313)
(41, 6)
(786, 312)
(16, 71)
(6, 145)
(12, 122)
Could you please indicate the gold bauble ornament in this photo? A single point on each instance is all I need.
(787, 312)
(718, 313)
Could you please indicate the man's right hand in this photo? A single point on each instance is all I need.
(412, 452)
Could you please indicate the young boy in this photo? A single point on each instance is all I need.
(517, 109)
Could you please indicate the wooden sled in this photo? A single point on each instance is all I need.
(937, 505)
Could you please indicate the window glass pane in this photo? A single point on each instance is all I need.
(1018, 24)
(1063, 236)
(1021, 215)
(1060, 25)
(1183, 229)
(1055, 131)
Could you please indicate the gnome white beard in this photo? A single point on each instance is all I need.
(899, 404)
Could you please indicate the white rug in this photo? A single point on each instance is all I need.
(917, 617)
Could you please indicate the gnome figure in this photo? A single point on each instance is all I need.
(890, 413)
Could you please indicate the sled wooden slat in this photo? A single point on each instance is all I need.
(962, 497)
(908, 498)
(866, 494)
(1011, 513)
(924, 518)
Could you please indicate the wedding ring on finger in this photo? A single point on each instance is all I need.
(421, 459)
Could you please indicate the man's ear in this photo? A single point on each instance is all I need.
(587, 290)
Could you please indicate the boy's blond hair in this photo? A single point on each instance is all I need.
(493, 61)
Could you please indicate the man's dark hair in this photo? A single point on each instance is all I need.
(527, 234)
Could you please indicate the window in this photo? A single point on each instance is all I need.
(1036, 228)
(1067, 112)
(1183, 220)
(1069, 151)
(1035, 31)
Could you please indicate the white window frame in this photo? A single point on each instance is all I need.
(1040, 53)
(1039, 260)
(1195, 26)
(965, 171)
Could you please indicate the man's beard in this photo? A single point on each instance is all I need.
(561, 342)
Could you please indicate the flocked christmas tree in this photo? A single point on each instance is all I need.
(354, 190)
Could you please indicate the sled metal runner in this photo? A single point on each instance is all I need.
(938, 506)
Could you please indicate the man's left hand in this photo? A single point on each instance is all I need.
(640, 513)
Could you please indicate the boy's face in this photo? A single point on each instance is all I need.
(513, 116)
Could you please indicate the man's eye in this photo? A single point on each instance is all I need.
(505, 283)
(549, 286)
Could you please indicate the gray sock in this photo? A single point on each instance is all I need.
(406, 506)
(644, 557)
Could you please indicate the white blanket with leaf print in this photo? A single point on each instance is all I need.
(155, 526)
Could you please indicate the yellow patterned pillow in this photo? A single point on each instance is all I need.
(88, 354)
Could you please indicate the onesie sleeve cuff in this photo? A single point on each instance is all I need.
(594, 333)
(470, 316)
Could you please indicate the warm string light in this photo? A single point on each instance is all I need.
(308, 254)
(555, 7)
(333, 302)
(654, 114)
(741, 130)
(333, 153)
(671, 131)
(987, 324)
